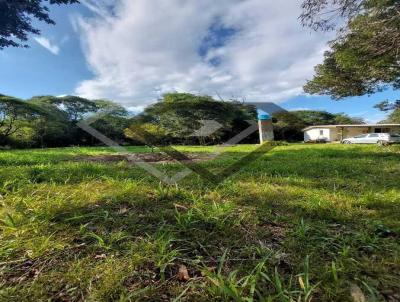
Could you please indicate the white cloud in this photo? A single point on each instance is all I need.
(145, 48)
(54, 49)
(135, 109)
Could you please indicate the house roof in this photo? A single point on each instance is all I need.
(351, 126)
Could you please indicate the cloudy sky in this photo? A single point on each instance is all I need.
(133, 51)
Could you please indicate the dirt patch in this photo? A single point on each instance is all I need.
(142, 157)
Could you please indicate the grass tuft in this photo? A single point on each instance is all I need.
(302, 223)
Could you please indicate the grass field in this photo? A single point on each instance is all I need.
(303, 222)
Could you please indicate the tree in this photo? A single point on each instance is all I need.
(288, 125)
(111, 120)
(75, 106)
(344, 119)
(314, 117)
(53, 127)
(106, 107)
(49, 121)
(387, 105)
(394, 117)
(16, 19)
(325, 14)
(181, 114)
(147, 133)
(64, 114)
(393, 108)
(14, 115)
(364, 57)
(59, 127)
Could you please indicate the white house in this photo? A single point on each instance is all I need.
(332, 133)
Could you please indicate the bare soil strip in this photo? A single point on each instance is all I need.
(141, 157)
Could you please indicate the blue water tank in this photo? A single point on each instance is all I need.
(264, 116)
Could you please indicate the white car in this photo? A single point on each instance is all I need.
(373, 138)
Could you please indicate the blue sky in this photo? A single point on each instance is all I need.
(254, 50)
(37, 71)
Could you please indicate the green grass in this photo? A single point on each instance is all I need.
(302, 223)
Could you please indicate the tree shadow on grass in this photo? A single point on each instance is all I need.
(139, 235)
(162, 229)
(146, 233)
(308, 163)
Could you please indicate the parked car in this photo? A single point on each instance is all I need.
(373, 138)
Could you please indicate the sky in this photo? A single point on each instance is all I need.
(133, 51)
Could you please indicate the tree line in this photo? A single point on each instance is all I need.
(49, 121)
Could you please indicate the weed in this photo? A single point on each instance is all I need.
(302, 223)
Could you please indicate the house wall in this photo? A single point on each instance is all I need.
(317, 134)
(353, 131)
(393, 129)
(335, 135)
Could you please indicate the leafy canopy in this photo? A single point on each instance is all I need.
(49, 121)
(14, 115)
(288, 125)
(365, 56)
(393, 108)
(73, 108)
(16, 19)
(181, 114)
